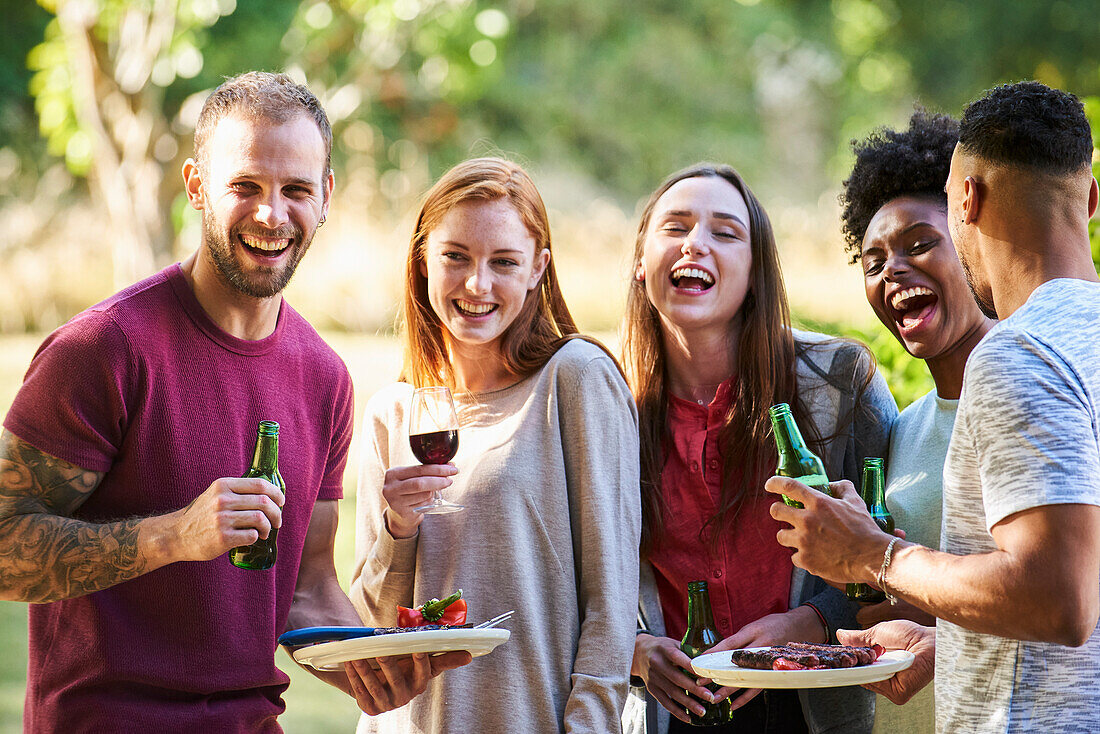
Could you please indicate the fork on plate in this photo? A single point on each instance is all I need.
(495, 620)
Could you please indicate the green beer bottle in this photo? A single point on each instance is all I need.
(873, 491)
(265, 465)
(795, 459)
(702, 635)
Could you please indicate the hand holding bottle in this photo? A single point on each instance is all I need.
(660, 663)
(826, 524)
(231, 512)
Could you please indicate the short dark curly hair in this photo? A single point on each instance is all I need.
(1030, 125)
(892, 163)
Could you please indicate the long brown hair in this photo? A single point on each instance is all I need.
(544, 320)
(765, 369)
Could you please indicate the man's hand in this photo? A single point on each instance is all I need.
(230, 513)
(406, 487)
(397, 680)
(899, 634)
(825, 524)
(661, 664)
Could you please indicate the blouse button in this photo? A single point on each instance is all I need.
(695, 466)
(713, 464)
(717, 573)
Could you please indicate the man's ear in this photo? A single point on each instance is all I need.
(972, 199)
(192, 183)
(1094, 194)
(330, 182)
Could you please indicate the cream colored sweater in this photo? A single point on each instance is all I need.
(548, 472)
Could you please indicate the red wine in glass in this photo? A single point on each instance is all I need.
(437, 447)
(433, 437)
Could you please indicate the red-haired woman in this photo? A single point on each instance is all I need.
(709, 348)
(547, 468)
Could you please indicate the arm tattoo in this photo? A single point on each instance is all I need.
(45, 555)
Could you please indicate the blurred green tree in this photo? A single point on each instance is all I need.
(98, 85)
(581, 87)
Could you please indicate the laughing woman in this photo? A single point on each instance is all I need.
(547, 468)
(709, 348)
(895, 225)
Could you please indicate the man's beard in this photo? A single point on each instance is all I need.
(986, 307)
(265, 281)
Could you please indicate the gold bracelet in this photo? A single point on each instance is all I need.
(886, 558)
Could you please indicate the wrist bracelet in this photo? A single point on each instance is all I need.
(886, 558)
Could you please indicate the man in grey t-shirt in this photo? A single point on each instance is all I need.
(1017, 585)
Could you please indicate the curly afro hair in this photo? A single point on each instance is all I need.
(892, 163)
(1030, 125)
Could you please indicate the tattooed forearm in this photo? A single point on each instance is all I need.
(44, 554)
(45, 558)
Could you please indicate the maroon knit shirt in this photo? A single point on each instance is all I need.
(146, 388)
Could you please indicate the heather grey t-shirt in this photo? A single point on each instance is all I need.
(1026, 435)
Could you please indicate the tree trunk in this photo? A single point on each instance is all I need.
(120, 109)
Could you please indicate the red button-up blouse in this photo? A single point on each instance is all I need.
(748, 572)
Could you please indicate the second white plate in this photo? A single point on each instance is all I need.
(332, 655)
(718, 667)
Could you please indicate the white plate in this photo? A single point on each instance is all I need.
(718, 667)
(332, 655)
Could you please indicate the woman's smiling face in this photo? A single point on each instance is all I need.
(914, 280)
(697, 257)
(480, 262)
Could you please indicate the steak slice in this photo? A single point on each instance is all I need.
(805, 656)
(864, 655)
(765, 659)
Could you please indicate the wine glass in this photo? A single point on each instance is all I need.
(433, 436)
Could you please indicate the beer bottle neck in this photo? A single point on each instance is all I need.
(699, 613)
(266, 457)
(878, 489)
(788, 439)
(873, 487)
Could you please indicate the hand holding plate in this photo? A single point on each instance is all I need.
(899, 634)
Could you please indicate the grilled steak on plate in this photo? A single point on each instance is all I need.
(806, 656)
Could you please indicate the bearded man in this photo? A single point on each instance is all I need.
(121, 456)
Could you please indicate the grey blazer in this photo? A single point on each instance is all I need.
(830, 371)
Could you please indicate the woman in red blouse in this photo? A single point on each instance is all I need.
(709, 348)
